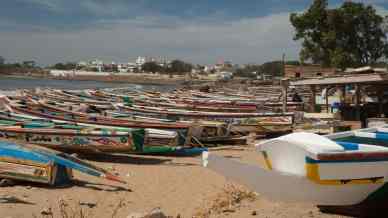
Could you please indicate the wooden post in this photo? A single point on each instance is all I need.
(380, 94)
(313, 102)
(327, 99)
(343, 95)
(284, 84)
(358, 112)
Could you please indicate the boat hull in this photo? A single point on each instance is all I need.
(290, 188)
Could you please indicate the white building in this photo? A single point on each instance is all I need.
(98, 64)
(132, 66)
(140, 61)
(82, 64)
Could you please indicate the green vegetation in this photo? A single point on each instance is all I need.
(14, 67)
(349, 36)
(273, 68)
(179, 67)
(64, 66)
(152, 67)
(175, 67)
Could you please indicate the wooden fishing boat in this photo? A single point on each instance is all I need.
(50, 111)
(221, 128)
(152, 137)
(198, 114)
(73, 138)
(36, 164)
(202, 129)
(175, 105)
(342, 173)
(143, 139)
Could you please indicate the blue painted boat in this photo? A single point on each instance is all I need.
(42, 165)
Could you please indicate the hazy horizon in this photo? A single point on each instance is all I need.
(202, 32)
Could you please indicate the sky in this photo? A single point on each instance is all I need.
(197, 31)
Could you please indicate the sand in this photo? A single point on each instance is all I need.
(180, 187)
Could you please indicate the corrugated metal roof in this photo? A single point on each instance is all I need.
(344, 79)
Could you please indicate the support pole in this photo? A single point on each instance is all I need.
(327, 99)
(313, 102)
(343, 95)
(358, 111)
(284, 84)
(380, 93)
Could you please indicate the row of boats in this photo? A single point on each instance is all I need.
(79, 122)
(120, 121)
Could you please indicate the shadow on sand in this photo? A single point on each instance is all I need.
(13, 200)
(124, 159)
(72, 183)
(99, 186)
(134, 159)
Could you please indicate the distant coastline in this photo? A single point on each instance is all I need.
(141, 79)
(14, 82)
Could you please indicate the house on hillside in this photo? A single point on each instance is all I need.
(309, 71)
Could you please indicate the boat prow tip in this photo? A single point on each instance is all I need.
(114, 178)
(205, 158)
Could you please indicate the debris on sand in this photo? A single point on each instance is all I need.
(227, 201)
(155, 213)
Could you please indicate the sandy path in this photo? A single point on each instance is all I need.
(176, 185)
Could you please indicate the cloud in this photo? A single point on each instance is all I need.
(53, 5)
(120, 30)
(242, 41)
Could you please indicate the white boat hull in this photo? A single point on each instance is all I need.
(289, 188)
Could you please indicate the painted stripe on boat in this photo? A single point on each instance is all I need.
(312, 173)
(378, 135)
(353, 160)
(267, 160)
(349, 146)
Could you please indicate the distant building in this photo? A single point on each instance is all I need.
(309, 71)
(96, 64)
(225, 75)
(82, 64)
(263, 76)
(2, 60)
(132, 67)
(222, 65)
(140, 61)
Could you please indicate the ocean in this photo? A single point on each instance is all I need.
(13, 83)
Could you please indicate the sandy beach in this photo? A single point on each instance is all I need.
(180, 187)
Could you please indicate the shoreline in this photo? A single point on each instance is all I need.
(115, 79)
(15, 82)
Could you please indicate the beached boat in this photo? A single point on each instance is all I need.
(41, 165)
(72, 137)
(32, 127)
(199, 114)
(339, 172)
(237, 114)
(50, 111)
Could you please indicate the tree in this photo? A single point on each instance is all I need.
(274, 68)
(152, 67)
(348, 36)
(2, 60)
(66, 66)
(248, 71)
(29, 64)
(180, 67)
